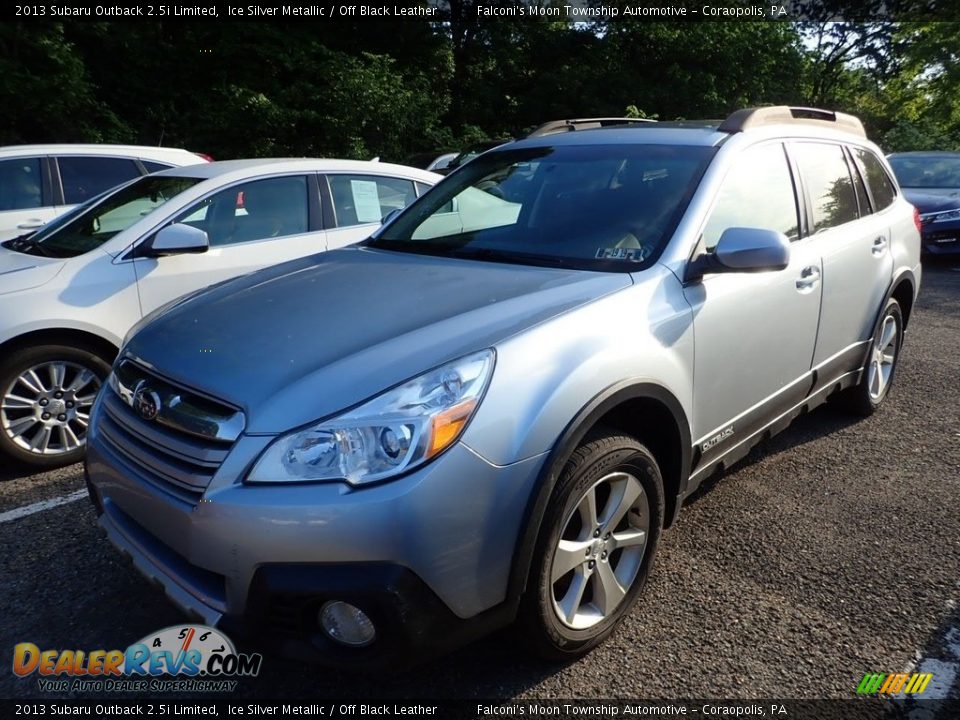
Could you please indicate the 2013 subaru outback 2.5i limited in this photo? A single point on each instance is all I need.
(490, 410)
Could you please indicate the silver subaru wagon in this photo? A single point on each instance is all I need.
(490, 410)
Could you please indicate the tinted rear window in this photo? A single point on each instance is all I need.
(21, 184)
(152, 166)
(87, 177)
(826, 177)
(879, 182)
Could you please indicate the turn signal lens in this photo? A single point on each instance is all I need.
(447, 426)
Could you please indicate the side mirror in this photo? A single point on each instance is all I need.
(390, 216)
(177, 239)
(744, 250)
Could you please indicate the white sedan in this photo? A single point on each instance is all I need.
(40, 182)
(70, 292)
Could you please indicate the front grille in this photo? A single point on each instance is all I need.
(179, 462)
(943, 237)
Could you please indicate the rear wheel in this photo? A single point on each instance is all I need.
(597, 542)
(865, 397)
(46, 393)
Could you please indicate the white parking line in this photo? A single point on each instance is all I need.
(26, 510)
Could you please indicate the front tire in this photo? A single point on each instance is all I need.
(865, 397)
(46, 393)
(596, 545)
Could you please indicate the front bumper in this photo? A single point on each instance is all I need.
(421, 555)
(941, 238)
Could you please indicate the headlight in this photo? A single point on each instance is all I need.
(944, 216)
(388, 435)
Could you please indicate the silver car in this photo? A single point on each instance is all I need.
(492, 409)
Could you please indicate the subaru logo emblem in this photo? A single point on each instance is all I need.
(146, 402)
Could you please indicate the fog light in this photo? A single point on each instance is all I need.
(346, 624)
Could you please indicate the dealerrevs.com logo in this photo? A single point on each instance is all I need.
(180, 658)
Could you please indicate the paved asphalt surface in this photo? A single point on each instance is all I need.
(831, 551)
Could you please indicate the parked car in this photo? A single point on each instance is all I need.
(431, 161)
(70, 292)
(931, 181)
(492, 409)
(40, 182)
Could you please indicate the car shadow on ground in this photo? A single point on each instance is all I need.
(496, 666)
(10, 471)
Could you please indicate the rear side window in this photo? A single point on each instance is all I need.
(757, 193)
(881, 187)
(152, 166)
(828, 184)
(360, 199)
(86, 177)
(21, 184)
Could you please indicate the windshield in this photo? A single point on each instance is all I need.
(926, 171)
(604, 207)
(90, 226)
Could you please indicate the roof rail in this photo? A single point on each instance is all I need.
(749, 118)
(558, 126)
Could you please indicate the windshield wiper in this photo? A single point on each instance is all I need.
(509, 256)
(26, 243)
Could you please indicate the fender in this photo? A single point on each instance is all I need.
(572, 435)
(902, 274)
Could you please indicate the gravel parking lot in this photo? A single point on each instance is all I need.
(831, 551)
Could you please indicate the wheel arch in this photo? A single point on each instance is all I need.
(644, 410)
(62, 336)
(903, 290)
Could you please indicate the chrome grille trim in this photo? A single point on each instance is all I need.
(157, 447)
(182, 448)
(186, 484)
(180, 410)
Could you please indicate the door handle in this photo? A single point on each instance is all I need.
(30, 224)
(808, 278)
(879, 245)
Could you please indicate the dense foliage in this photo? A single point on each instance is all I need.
(388, 89)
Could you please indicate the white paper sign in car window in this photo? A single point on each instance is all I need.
(366, 200)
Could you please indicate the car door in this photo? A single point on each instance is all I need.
(26, 201)
(360, 202)
(754, 333)
(250, 225)
(854, 246)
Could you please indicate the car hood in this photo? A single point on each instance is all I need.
(309, 338)
(19, 271)
(927, 203)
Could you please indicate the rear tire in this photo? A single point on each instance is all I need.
(597, 542)
(46, 393)
(865, 397)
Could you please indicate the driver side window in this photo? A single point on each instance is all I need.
(256, 210)
(757, 193)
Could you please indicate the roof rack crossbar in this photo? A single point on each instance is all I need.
(783, 114)
(558, 126)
